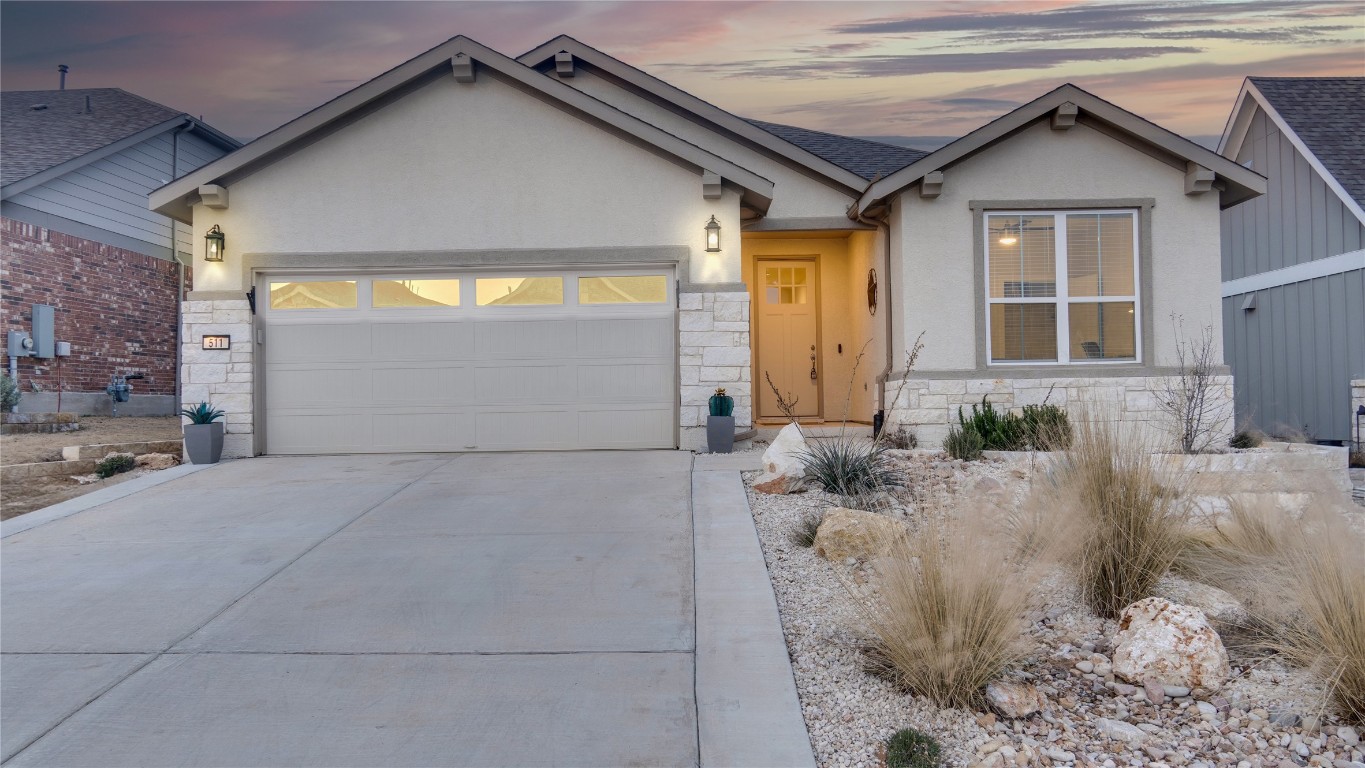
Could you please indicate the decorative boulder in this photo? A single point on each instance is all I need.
(854, 533)
(1014, 700)
(1171, 644)
(157, 461)
(783, 471)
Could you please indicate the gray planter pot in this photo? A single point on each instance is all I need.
(204, 442)
(720, 434)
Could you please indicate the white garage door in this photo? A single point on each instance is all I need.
(488, 361)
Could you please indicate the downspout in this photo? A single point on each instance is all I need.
(885, 226)
(180, 267)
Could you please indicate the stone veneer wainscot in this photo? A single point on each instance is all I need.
(928, 407)
(224, 378)
(713, 352)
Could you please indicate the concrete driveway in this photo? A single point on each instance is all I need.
(482, 609)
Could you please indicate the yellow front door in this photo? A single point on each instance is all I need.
(788, 336)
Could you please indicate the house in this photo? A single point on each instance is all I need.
(611, 250)
(1294, 259)
(76, 234)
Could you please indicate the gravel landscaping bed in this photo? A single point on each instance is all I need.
(1266, 715)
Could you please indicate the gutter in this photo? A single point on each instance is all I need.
(885, 227)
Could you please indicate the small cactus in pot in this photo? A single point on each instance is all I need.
(720, 425)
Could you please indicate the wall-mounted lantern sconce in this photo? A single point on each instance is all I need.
(713, 236)
(214, 243)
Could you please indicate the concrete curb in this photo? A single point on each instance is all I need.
(95, 498)
(748, 711)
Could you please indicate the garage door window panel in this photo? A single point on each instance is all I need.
(519, 291)
(415, 294)
(314, 294)
(623, 289)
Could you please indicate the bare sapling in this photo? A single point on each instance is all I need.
(1196, 411)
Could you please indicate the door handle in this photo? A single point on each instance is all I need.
(813, 375)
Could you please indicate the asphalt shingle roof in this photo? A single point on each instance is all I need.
(33, 140)
(861, 156)
(1328, 114)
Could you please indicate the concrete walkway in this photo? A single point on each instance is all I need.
(483, 609)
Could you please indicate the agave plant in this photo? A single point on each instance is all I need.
(203, 413)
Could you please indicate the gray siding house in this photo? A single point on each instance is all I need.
(1294, 258)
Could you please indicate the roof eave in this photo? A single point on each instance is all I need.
(702, 109)
(175, 199)
(1238, 183)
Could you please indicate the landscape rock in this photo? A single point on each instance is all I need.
(157, 461)
(1014, 700)
(1120, 731)
(777, 484)
(1171, 643)
(783, 456)
(853, 533)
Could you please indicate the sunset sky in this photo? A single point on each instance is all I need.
(922, 70)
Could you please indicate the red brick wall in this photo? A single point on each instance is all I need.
(116, 307)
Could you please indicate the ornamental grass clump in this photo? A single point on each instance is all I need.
(850, 468)
(949, 618)
(1129, 519)
(1301, 583)
(803, 533)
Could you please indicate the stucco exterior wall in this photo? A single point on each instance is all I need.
(936, 252)
(799, 194)
(456, 166)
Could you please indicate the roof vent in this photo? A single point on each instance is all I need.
(62, 69)
(87, 104)
(38, 107)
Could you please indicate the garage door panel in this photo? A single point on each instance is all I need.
(524, 339)
(625, 428)
(540, 429)
(318, 342)
(423, 431)
(525, 383)
(623, 382)
(423, 385)
(463, 377)
(307, 387)
(320, 433)
(637, 337)
(423, 341)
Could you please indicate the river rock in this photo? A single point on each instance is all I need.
(157, 461)
(1014, 699)
(854, 533)
(1171, 644)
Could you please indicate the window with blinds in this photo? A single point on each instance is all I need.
(1062, 287)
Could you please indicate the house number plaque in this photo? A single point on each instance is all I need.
(217, 342)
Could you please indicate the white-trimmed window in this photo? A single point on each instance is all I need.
(1062, 287)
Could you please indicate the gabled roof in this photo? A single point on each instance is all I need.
(45, 130)
(1321, 116)
(864, 157)
(1233, 182)
(645, 83)
(176, 199)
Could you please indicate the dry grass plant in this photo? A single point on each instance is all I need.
(1128, 519)
(1301, 583)
(949, 615)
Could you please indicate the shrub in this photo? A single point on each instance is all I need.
(9, 393)
(1247, 438)
(949, 616)
(908, 748)
(204, 413)
(901, 439)
(1047, 427)
(964, 444)
(850, 468)
(1356, 460)
(803, 535)
(1001, 430)
(1131, 520)
(115, 463)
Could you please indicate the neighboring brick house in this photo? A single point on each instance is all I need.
(75, 233)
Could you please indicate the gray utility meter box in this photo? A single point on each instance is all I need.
(19, 344)
(44, 331)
